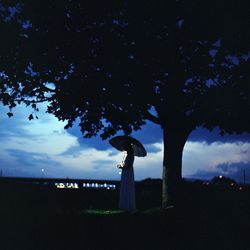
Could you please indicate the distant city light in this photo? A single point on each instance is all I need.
(99, 185)
(72, 185)
(206, 183)
(67, 185)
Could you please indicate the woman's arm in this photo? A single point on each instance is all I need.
(128, 161)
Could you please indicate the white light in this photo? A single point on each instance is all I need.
(220, 176)
(60, 185)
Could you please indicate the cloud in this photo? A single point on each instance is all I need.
(12, 126)
(236, 171)
(31, 159)
(95, 142)
(151, 164)
(28, 146)
(100, 164)
(152, 133)
(92, 163)
(203, 159)
(148, 135)
(74, 151)
(201, 134)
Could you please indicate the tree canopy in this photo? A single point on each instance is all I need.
(111, 63)
(180, 57)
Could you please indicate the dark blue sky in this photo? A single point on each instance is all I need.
(29, 146)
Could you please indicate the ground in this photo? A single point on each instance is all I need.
(39, 217)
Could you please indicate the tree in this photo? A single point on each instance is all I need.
(179, 64)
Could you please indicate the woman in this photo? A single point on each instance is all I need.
(127, 187)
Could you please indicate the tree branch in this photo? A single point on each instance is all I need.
(152, 118)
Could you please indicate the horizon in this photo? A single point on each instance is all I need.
(111, 180)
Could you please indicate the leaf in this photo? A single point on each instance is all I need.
(10, 114)
(31, 117)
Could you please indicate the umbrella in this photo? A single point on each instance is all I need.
(119, 142)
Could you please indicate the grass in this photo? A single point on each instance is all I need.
(43, 219)
(109, 212)
(101, 212)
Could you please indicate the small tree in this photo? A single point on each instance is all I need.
(112, 64)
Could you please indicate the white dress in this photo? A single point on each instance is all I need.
(127, 187)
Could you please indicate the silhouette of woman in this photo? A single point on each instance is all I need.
(127, 187)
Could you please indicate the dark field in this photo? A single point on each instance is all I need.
(43, 217)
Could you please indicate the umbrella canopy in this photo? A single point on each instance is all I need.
(119, 142)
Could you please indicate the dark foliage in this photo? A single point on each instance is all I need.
(111, 62)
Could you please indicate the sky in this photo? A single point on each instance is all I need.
(43, 148)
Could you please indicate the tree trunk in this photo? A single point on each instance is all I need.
(174, 141)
